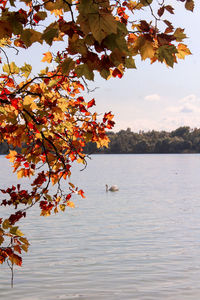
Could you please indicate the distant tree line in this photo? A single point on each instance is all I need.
(182, 140)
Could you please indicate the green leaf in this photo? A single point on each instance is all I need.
(105, 73)
(166, 53)
(15, 231)
(130, 63)
(83, 70)
(67, 65)
(102, 25)
(50, 33)
(30, 36)
(26, 70)
(179, 34)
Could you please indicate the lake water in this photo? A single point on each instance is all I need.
(142, 242)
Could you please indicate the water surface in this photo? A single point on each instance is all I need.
(142, 242)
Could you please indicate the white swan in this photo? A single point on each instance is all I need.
(113, 188)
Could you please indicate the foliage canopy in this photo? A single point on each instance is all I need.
(45, 115)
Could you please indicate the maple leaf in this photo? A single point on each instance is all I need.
(47, 57)
(102, 24)
(91, 103)
(147, 50)
(182, 51)
(70, 204)
(45, 115)
(189, 5)
(15, 259)
(166, 53)
(26, 70)
(12, 155)
(80, 192)
(179, 34)
(146, 2)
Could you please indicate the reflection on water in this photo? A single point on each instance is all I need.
(142, 242)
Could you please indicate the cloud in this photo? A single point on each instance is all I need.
(152, 97)
(189, 99)
(185, 108)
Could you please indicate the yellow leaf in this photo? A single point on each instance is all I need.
(62, 207)
(70, 204)
(15, 231)
(20, 173)
(182, 51)
(103, 142)
(24, 240)
(5, 42)
(57, 12)
(80, 160)
(12, 155)
(29, 101)
(147, 50)
(6, 224)
(47, 57)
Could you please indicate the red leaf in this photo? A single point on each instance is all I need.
(170, 9)
(91, 103)
(81, 192)
(161, 11)
(26, 165)
(116, 72)
(30, 125)
(14, 103)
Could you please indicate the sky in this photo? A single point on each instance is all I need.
(152, 97)
(155, 97)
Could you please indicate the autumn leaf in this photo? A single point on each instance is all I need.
(70, 204)
(147, 50)
(47, 57)
(26, 70)
(20, 173)
(102, 24)
(182, 51)
(189, 5)
(12, 155)
(15, 259)
(91, 103)
(15, 231)
(146, 2)
(46, 115)
(179, 34)
(166, 53)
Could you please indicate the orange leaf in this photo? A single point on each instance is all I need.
(12, 155)
(47, 57)
(91, 103)
(70, 204)
(81, 192)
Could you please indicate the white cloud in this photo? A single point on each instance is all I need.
(190, 99)
(185, 108)
(152, 97)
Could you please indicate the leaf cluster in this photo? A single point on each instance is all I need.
(47, 115)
